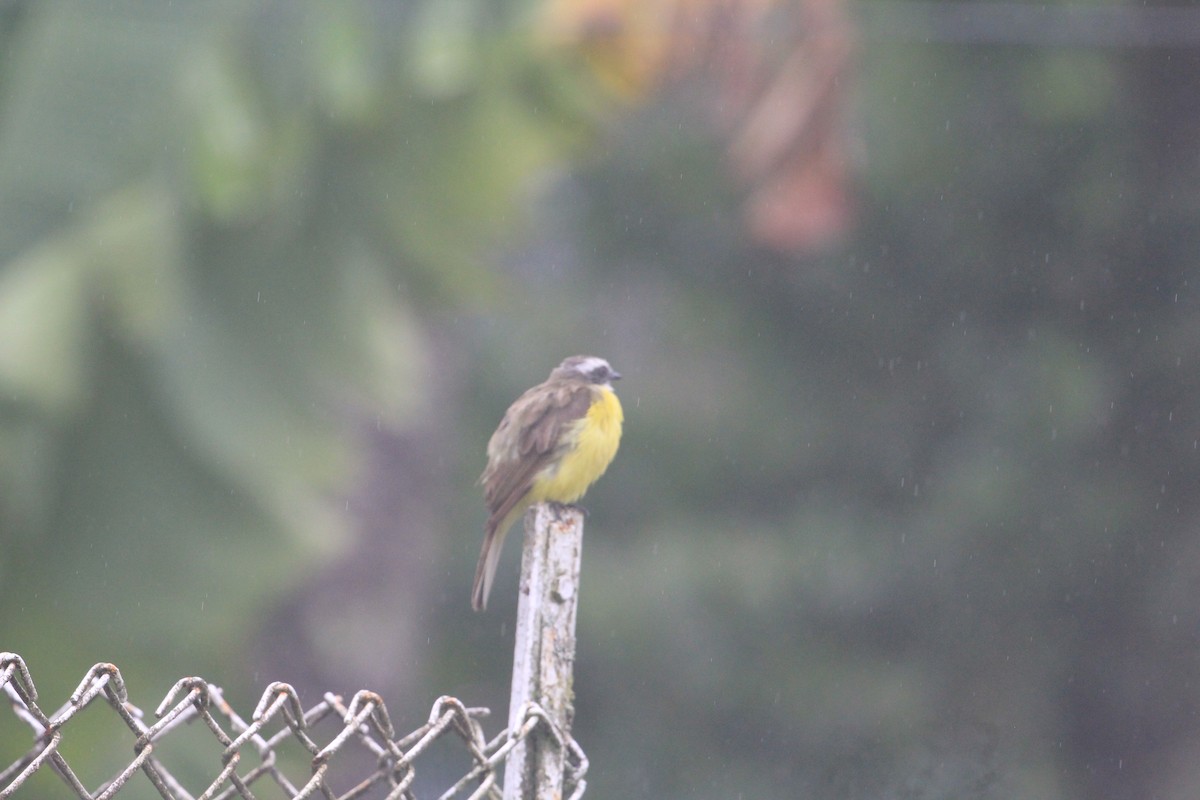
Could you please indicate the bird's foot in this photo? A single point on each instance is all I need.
(558, 509)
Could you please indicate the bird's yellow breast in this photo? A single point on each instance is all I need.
(595, 438)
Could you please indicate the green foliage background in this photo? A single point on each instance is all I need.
(914, 517)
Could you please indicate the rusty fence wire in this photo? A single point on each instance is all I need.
(250, 759)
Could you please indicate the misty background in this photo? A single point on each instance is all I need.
(905, 299)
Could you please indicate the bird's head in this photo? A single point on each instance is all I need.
(589, 368)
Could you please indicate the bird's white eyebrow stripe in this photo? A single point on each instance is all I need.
(590, 364)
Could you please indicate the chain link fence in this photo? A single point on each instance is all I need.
(251, 752)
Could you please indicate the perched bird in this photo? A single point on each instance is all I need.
(553, 443)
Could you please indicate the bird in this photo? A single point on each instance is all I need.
(554, 441)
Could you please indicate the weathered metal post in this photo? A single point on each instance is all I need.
(544, 658)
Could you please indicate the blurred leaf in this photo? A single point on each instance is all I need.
(87, 88)
(236, 153)
(344, 72)
(133, 247)
(443, 47)
(43, 327)
(627, 45)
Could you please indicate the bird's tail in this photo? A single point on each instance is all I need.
(489, 559)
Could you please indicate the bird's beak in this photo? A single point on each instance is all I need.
(614, 375)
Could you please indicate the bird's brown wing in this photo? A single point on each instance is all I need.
(527, 440)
